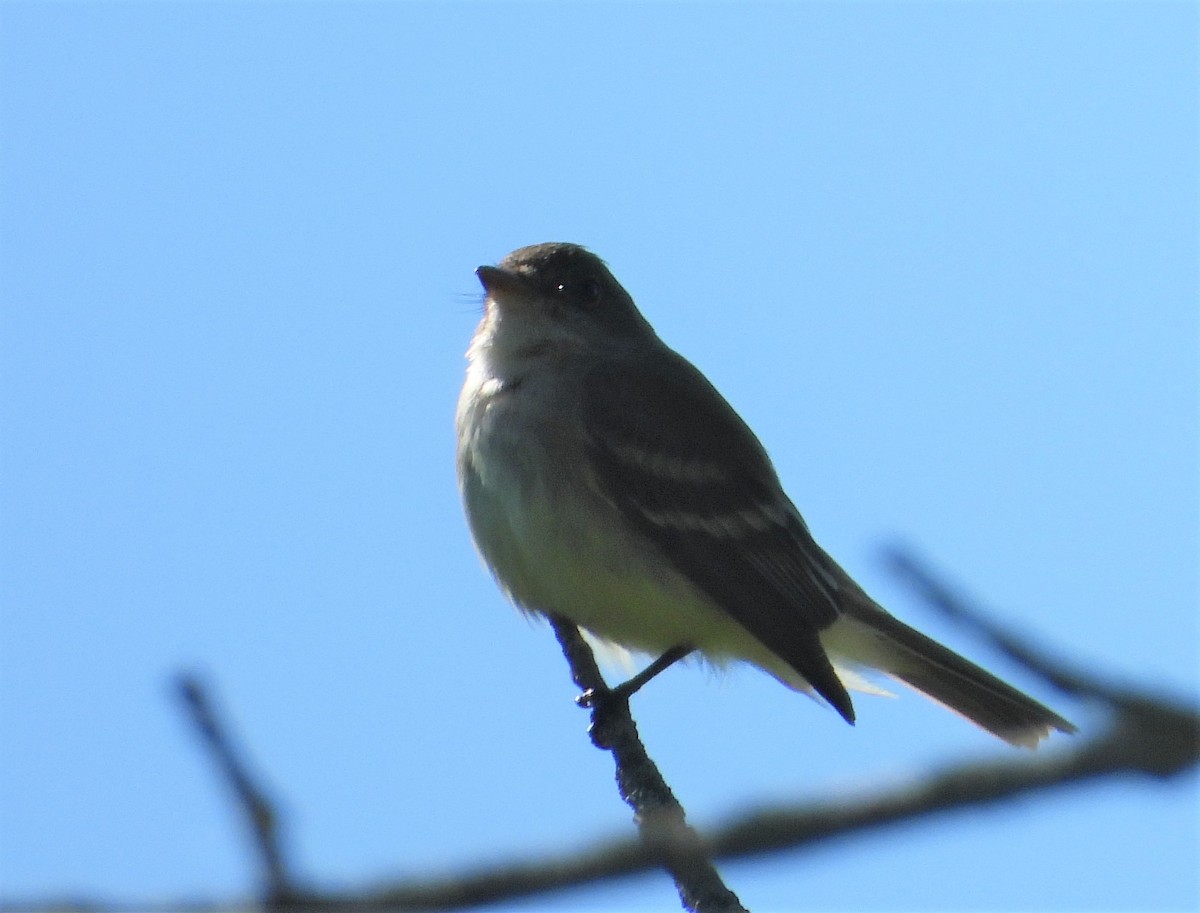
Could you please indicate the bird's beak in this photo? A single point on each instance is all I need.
(503, 285)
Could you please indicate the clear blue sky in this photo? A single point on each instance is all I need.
(941, 256)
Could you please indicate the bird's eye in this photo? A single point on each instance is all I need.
(581, 291)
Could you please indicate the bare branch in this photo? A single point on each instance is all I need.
(1145, 734)
(258, 810)
(660, 818)
(1158, 740)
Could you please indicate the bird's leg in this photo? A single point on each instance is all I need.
(624, 691)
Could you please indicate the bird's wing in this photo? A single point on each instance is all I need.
(685, 470)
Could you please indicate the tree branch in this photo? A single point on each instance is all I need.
(660, 818)
(1145, 734)
(258, 811)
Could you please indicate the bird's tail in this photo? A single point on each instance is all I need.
(868, 636)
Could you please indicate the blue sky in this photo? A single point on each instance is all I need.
(942, 257)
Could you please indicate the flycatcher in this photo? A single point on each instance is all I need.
(606, 480)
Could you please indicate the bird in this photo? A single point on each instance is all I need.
(606, 481)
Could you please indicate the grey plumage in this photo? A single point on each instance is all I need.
(607, 481)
